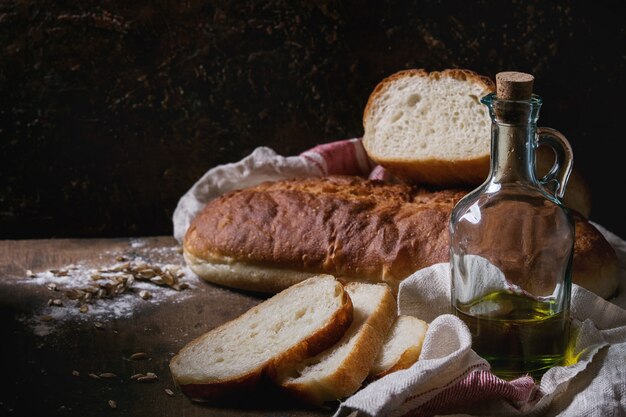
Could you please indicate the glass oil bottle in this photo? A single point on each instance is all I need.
(511, 241)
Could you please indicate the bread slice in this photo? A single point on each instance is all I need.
(339, 371)
(295, 324)
(402, 347)
(430, 127)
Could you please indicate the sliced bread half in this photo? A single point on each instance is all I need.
(430, 127)
(295, 324)
(402, 347)
(339, 371)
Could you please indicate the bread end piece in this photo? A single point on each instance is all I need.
(402, 346)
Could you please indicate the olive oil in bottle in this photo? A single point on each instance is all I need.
(511, 241)
(516, 334)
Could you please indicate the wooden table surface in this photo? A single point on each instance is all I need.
(48, 371)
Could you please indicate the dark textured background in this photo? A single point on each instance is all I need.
(109, 111)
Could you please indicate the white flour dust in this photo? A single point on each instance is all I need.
(98, 293)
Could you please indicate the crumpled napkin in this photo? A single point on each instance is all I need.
(450, 378)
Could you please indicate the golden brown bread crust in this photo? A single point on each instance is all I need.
(344, 226)
(354, 229)
(595, 260)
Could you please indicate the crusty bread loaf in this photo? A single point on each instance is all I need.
(297, 323)
(349, 227)
(340, 370)
(402, 346)
(430, 128)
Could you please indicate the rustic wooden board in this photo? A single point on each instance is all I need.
(37, 369)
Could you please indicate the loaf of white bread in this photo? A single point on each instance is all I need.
(268, 237)
(429, 128)
(317, 340)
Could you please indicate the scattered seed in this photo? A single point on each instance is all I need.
(146, 274)
(137, 376)
(107, 375)
(120, 267)
(75, 373)
(121, 259)
(98, 325)
(168, 278)
(52, 286)
(49, 302)
(74, 294)
(130, 281)
(46, 318)
(112, 404)
(96, 277)
(90, 289)
(30, 273)
(183, 285)
(120, 288)
(157, 280)
(94, 376)
(139, 355)
(151, 375)
(169, 392)
(59, 272)
(147, 378)
(57, 302)
(145, 294)
(83, 308)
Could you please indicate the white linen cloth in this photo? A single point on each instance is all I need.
(450, 378)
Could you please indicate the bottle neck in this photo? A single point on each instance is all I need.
(513, 139)
(512, 153)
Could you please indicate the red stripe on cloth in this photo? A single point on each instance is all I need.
(476, 386)
(341, 158)
(307, 155)
(379, 173)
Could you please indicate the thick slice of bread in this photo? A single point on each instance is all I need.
(402, 346)
(295, 324)
(340, 370)
(430, 128)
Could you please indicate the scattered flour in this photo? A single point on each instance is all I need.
(67, 285)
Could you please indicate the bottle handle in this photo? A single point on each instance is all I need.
(556, 179)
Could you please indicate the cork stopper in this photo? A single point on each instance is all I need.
(512, 85)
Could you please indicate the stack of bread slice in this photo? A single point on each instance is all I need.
(318, 340)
